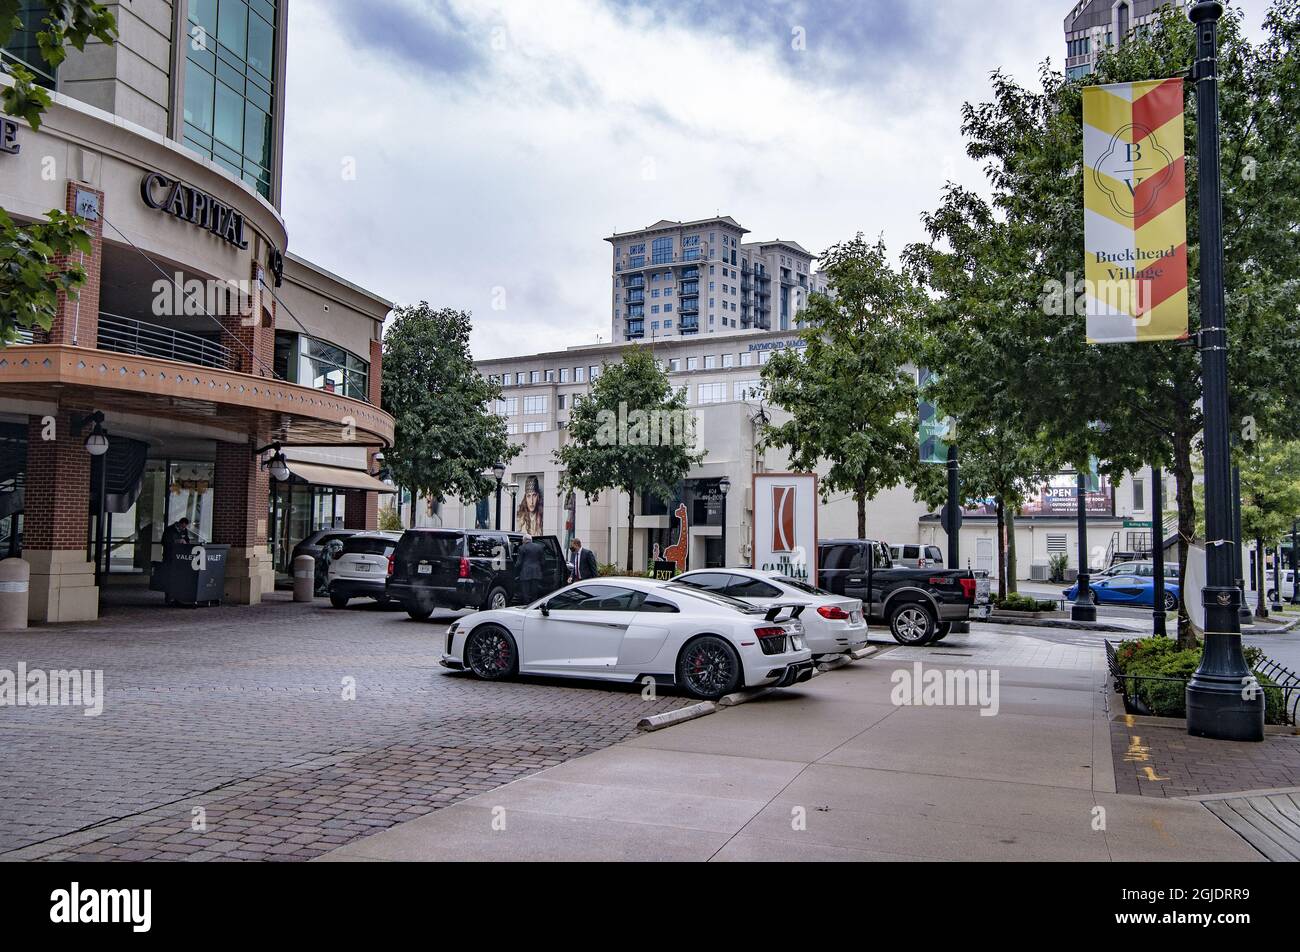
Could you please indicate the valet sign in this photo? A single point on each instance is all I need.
(188, 204)
(785, 524)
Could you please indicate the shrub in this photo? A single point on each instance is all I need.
(1161, 658)
(389, 520)
(1056, 566)
(1015, 602)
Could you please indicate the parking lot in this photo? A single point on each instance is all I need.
(280, 731)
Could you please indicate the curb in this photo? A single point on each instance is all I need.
(836, 662)
(667, 719)
(866, 652)
(1062, 623)
(743, 697)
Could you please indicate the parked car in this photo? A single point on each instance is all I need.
(1142, 568)
(1288, 584)
(919, 605)
(832, 624)
(916, 556)
(464, 568)
(314, 543)
(1128, 590)
(361, 569)
(627, 629)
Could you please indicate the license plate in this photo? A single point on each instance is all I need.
(855, 617)
(425, 569)
(363, 566)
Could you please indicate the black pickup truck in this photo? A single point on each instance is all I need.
(919, 605)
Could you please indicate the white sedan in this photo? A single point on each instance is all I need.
(627, 629)
(832, 623)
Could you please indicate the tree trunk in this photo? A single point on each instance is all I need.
(1011, 551)
(631, 521)
(860, 495)
(1261, 580)
(1002, 554)
(1183, 476)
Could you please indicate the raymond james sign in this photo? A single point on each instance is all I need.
(779, 344)
(188, 204)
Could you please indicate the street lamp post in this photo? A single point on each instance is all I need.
(514, 511)
(1158, 550)
(1295, 566)
(1238, 549)
(96, 444)
(724, 487)
(1083, 608)
(1222, 701)
(498, 473)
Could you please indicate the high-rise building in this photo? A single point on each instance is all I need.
(1095, 25)
(679, 278)
(224, 379)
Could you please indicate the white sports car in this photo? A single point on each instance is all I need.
(625, 629)
(832, 623)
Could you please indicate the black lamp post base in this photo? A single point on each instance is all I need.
(1083, 612)
(1220, 709)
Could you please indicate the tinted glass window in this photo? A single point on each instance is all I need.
(431, 545)
(608, 598)
(709, 581)
(717, 598)
(368, 545)
(802, 586)
(743, 587)
(842, 557)
(487, 547)
(879, 558)
(911, 551)
(653, 603)
(932, 552)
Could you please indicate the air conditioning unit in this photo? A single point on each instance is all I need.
(1039, 571)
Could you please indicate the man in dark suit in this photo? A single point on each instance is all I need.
(529, 559)
(582, 562)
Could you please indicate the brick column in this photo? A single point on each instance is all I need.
(76, 320)
(360, 510)
(253, 347)
(240, 507)
(56, 521)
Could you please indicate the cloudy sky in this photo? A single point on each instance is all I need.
(474, 153)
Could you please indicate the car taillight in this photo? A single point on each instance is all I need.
(769, 632)
(464, 568)
(968, 588)
(390, 565)
(832, 612)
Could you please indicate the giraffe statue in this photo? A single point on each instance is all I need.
(677, 551)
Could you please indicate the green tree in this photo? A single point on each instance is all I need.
(633, 432)
(31, 275)
(851, 400)
(1270, 500)
(448, 435)
(1145, 395)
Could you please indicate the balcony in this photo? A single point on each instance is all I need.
(689, 307)
(689, 325)
(636, 297)
(125, 335)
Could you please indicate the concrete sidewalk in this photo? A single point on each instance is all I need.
(833, 770)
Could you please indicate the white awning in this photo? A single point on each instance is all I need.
(338, 478)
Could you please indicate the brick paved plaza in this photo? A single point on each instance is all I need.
(239, 712)
(1168, 762)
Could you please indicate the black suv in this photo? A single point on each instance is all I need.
(464, 568)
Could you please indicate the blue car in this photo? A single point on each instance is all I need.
(1136, 590)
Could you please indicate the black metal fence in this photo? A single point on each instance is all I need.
(1283, 680)
(126, 335)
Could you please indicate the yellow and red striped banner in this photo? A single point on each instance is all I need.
(1135, 212)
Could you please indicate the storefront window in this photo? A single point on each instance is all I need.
(315, 363)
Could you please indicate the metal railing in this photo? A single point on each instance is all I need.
(126, 335)
(1282, 679)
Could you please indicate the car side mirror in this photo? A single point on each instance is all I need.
(544, 608)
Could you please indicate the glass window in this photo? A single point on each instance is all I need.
(232, 26)
(607, 598)
(261, 45)
(744, 587)
(709, 581)
(199, 91)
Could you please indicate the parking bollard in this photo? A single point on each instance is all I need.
(304, 578)
(15, 585)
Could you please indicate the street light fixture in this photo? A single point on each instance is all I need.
(498, 473)
(96, 445)
(1220, 701)
(724, 487)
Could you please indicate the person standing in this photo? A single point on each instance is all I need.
(176, 535)
(582, 562)
(528, 569)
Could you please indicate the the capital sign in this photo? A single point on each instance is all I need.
(9, 137)
(189, 204)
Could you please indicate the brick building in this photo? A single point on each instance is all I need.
(199, 345)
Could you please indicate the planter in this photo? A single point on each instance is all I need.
(1006, 613)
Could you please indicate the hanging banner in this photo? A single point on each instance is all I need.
(934, 432)
(1135, 212)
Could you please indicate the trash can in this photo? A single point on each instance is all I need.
(15, 579)
(189, 578)
(304, 578)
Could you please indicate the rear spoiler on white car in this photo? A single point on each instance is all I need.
(795, 611)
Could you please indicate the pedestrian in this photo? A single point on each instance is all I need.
(176, 535)
(582, 562)
(528, 569)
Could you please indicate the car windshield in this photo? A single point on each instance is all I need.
(717, 598)
(800, 585)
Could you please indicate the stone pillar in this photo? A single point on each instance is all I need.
(360, 510)
(76, 320)
(56, 521)
(240, 508)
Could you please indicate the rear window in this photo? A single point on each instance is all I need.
(911, 552)
(801, 585)
(932, 552)
(432, 545)
(718, 599)
(368, 545)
